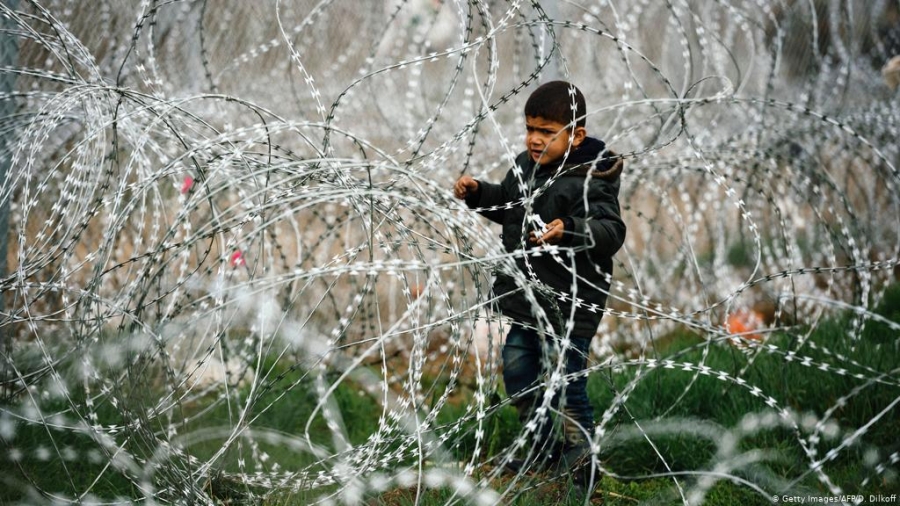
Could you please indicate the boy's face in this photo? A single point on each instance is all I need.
(547, 141)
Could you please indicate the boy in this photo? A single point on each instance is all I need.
(581, 210)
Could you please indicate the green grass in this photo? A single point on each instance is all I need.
(676, 393)
(609, 491)
(40, 466)
(678, 396)
(87, 471)
(661, 396)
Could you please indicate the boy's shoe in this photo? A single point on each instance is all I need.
(574, 454)
(539, 461)
(514, 466)
(577, 463)
(586, 477)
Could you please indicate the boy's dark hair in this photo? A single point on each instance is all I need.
(553, 101)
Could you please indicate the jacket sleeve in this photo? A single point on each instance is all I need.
(601, 231)
(491, 195)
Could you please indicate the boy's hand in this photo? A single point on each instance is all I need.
(464, 186)
(552, 234)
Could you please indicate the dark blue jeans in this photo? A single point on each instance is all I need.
(525, 367)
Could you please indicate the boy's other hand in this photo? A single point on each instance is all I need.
(464, 186)
(552, 234)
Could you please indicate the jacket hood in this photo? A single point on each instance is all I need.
(591, 156)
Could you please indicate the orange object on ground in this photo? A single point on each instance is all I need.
(744, 322)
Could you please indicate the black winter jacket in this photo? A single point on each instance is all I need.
(594, 232)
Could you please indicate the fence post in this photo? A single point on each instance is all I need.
(9, 55)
